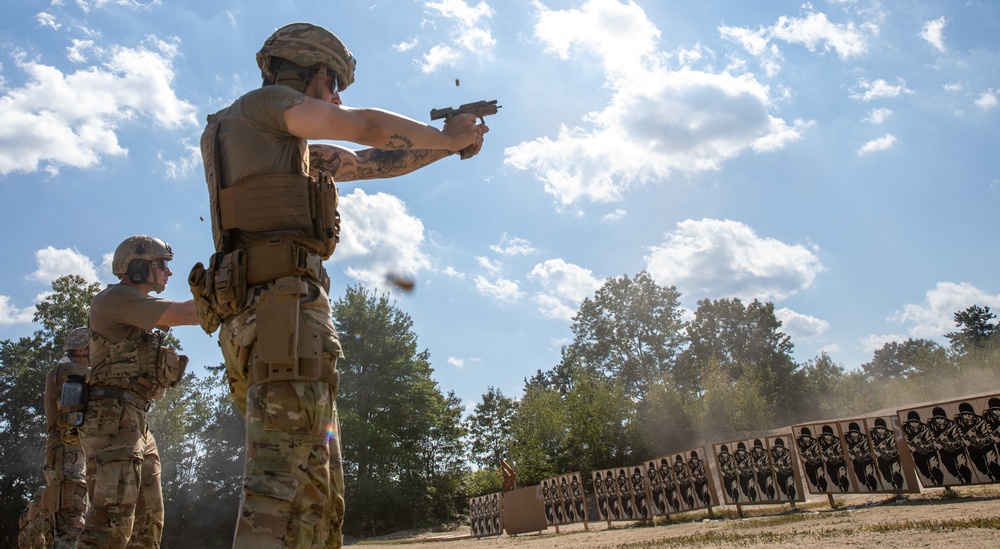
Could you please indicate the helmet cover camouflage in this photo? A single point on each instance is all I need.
(78, 338)
(307, 45)
(139, 247)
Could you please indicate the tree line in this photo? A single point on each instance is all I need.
(636, 381)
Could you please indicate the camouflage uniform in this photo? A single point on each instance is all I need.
(55, 517)
(65, 464)
(293, 477)
(34, 524)
(127, 505)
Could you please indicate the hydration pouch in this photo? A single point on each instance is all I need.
(73, 402)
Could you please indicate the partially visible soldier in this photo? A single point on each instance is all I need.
(56, 515)
(130, 369)
(34, 526)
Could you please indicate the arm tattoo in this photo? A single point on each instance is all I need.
(399, 142)
(345, 165)
(300, 99)
(325, 159)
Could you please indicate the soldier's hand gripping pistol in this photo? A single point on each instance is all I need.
(479, 109)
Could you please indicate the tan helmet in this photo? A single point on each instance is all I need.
(307, 45)
(142, 247)
(78, 338)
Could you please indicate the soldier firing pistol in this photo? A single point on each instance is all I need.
(479, 109)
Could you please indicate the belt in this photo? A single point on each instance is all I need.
(278, 257)
(121, 394)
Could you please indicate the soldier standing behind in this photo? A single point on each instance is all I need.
(130, 368)
(55, 516)
(266, 283)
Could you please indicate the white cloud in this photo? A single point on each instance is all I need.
(54, 263)
(502, 289)
(714, 259)
(615, 215)
(659, 120)
(10, 314)
(878, 116)
(987, 100)
(378, 237)
(564, 285)
(186, 164)
(879, 89)
(72, 119)
(936, 315)
(817, 32)
(492, 266)
(876, 145)
(874, 342)
(513, 246)
(933, 32)
(406, 46)
(47, 20)
(462, 362)
(439, 56)
(800, 326)
(451, 272)
(470, 33)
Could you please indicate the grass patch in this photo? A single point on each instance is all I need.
(991, 523)
(710, 538)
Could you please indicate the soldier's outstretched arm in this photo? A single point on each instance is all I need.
(179, 313)
(347, 165)
(311, 118)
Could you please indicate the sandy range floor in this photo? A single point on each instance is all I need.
(969, 517)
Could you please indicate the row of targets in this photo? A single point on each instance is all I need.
(758, 471)
(669, 484)
(564, 499)
(486, 515)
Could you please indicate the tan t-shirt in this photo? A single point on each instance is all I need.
(254, 140)
(121, 312)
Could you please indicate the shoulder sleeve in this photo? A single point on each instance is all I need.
(267, 105)
(126, 307)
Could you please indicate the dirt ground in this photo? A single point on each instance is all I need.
(965, 517)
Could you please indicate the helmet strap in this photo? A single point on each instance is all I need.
(320, 82)
(155, 281)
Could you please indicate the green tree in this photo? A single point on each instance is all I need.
(630, 330)
(23, 366)
(905, 359)
(976, 329)
(729, 340)
(538, 433)
(401, 436)
(489, 428)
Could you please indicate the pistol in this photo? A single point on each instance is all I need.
(479, 109)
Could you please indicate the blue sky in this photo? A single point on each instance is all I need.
(838, 158)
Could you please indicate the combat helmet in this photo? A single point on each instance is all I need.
(132, 257)
(302, 46)
(78, 338)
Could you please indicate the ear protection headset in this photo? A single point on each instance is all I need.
(137, 271)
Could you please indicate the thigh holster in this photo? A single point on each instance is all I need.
(288, 348)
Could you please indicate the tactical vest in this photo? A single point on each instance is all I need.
(270, 203)
(145, 367)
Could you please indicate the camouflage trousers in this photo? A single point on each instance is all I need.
(293, 481)
(66, 490)
(35, 525)
(127, 504)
